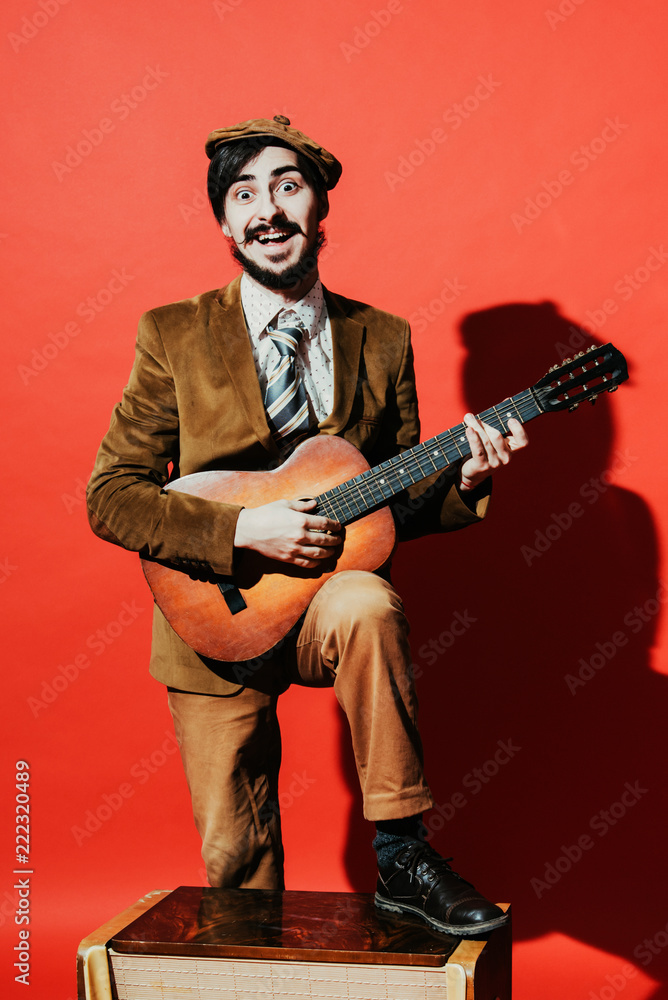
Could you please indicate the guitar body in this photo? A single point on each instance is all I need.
(275, 593)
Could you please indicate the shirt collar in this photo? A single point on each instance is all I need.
(261, 307)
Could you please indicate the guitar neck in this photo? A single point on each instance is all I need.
(378, 486)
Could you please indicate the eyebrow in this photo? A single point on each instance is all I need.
(276, 172)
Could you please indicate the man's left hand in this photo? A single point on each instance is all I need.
(489, 449)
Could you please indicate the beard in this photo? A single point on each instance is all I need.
(292, 276)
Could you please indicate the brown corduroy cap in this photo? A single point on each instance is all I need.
(328, 166)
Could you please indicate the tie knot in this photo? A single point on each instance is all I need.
(286, 339)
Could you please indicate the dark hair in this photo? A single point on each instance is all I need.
(229, 160)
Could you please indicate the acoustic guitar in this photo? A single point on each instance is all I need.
(241, 618)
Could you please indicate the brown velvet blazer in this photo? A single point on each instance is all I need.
(193, 402)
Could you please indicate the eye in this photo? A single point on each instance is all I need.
(287, 186)
(243, 194)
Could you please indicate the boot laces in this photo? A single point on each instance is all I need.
(423, 854)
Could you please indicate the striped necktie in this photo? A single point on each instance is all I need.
(285, 396)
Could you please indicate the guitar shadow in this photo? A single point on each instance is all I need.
(553, 676)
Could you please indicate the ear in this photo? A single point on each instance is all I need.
(226, 229)
(323, 206)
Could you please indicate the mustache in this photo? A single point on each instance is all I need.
(284, 225)
(290, 278)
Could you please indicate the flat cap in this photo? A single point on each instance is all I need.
(279, 126)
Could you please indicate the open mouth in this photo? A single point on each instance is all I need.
(272, 238)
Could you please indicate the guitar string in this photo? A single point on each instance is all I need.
(347, 491)
(351, 492)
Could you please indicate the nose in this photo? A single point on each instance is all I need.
(265, 206)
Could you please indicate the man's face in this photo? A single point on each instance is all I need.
(272, 215)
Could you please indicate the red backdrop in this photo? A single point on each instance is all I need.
(500, 188)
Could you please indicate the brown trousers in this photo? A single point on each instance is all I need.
(355, 638)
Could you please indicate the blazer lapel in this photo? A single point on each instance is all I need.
(347, 335)
(231, 337)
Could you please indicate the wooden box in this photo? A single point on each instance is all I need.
(236, 944)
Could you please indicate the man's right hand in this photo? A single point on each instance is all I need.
(284, 530)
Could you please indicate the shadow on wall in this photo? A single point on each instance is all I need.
(543, 721)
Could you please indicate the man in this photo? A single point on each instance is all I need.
(234, 379)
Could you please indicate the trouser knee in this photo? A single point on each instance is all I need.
(356, 598)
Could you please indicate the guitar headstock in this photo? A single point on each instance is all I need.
(586, 376)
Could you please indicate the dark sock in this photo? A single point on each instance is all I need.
(393, 834)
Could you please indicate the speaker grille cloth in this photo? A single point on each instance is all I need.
(144, 977)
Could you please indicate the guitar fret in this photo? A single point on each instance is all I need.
(500, 420)
(361, 502)
(460, 442)
(369, 485)
(382, 482)
(422, 457)
(447, 448)
(530, 407)
(338, 496)
(406, 473)
(372, 496)
(490, 417)
(517, 414)
(325, 508)
(436, 453)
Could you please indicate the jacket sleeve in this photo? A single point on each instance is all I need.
(127, 504)
(434, 504)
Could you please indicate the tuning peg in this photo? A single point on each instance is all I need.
(613, 388)
(593, 400)
(567, 361)
(573, 407)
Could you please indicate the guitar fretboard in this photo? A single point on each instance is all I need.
(379, 485)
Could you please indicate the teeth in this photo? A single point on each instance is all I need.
(271, 237)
